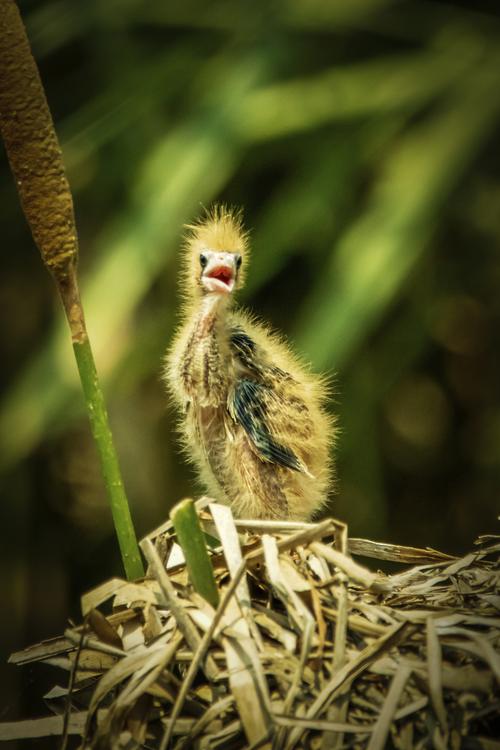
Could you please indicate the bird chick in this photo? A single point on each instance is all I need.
(253, 417)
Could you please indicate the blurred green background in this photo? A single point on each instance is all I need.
(361, 138)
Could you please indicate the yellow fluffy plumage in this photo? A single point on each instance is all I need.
(253, 417)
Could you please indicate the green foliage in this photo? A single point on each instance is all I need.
(191, 538)
(99, 423)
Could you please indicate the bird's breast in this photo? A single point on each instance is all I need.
(211, 430)
(205, 365)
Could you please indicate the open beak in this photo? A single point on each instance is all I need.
(220, 274)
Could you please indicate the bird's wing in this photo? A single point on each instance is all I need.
(260, 402)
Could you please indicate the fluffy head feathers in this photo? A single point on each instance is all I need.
(219, 229)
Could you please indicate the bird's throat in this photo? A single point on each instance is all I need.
(214, 304)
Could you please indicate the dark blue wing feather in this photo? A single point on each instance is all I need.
(248, 407)
(263, 405)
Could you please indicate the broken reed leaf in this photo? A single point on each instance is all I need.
(49, 726)
(290, 663)
(40, 651)
(297, 610)
(104, 630)
(199, 654)
(123, 669)
(228, 535)
(141, 680)
(247, 682)
(396, 552)
(172, 601)
(100, 594)
(279, 578)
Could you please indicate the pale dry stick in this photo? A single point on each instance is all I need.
(435, 673)
(215, 710)
(321, 725)
(241, 641)
(302, 537)
(93, 644)
(183, 621)
(381, 730)
(340, 637)
(303, 619)
(349, 672)
(71, 685)
(358, 624)
(341, 622)
(184, 655)
(307, 635)
(411, 708)
(297, 611)
(198, 657)
(226, 531)
(272, 527)
(340, 537)
(353, 570)
(294, 687)
(338, 712)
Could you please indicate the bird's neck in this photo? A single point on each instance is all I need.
(209, 322)
(204, 362)
(213, 308)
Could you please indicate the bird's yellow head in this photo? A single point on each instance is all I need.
(216, 252)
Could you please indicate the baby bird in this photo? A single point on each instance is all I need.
(253, 418)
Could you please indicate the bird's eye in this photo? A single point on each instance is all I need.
(238, 261)
(203, 260)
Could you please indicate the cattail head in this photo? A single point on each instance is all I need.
(216, 252)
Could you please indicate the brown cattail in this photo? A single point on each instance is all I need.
(36, 161)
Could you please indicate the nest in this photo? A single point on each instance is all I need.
(307, 648)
